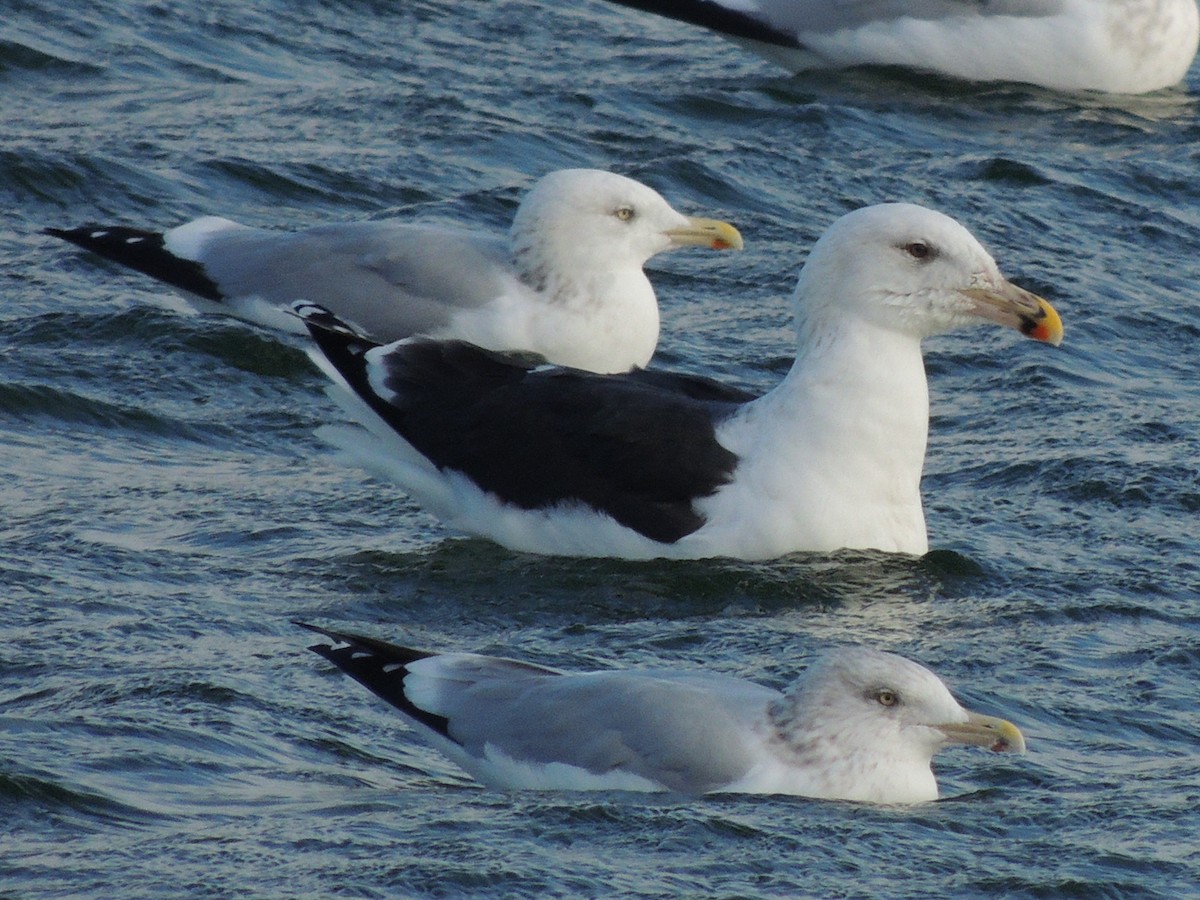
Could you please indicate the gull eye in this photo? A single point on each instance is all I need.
(885, 697)
(624, 213)
(918, 250)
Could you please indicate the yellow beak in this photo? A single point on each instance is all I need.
(711, 233)
(1017, 308)
(999, 735)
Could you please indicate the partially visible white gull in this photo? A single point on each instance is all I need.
(566, 284)
(1118, 46)
(859, 724)
(651, 464)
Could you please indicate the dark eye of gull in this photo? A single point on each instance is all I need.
(919, 250)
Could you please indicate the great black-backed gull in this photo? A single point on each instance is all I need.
(652, 464)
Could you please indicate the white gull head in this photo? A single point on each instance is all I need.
(579, 240)
(863, 724)
(912, 270)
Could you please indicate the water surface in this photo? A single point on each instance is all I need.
(167, 509)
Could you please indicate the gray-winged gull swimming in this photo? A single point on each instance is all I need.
(652, 464)
(566, 283)
(859, 724)
(1120, 46)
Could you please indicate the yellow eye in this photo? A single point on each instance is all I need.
(625, 213)
(887, 698)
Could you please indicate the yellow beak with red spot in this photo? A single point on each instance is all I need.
(1006, 304)
(711, 233)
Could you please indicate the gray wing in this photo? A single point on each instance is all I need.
(392, 279)
(808, 16)
(690, 732)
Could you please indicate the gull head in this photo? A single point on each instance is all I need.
(910, 269)
(588, 220)
(870, 722)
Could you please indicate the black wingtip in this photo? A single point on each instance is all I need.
(333, 335)
(144, 251)
(344, 347)
(86, 236)
(324, 632)
(338, 637)
(714, 16)
(392, 653)
(378, 666)
(317, 318)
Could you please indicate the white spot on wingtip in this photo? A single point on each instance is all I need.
(96, 235)
(134, 240)
(392, 667)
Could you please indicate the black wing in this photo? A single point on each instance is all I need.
(640, 446)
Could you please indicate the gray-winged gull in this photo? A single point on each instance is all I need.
(566, 283)
(1120, 46)
(652, 464)
(859, 724)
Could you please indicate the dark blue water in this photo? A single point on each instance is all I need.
(166, 508)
